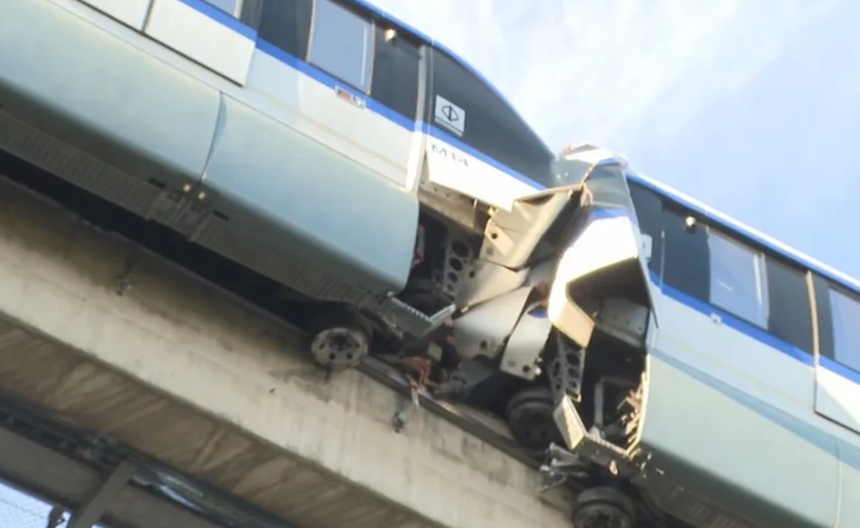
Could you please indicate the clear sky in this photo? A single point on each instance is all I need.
(750, 106)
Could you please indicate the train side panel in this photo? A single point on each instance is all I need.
(307, 183)
(724, 449)
(97, 111)
(729, 417)
(281, 194)
(130, 12)
(849, 483)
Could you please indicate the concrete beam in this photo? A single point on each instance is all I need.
(59, 479)
(185, 374)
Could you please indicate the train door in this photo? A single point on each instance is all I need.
(344, 77)
(312, 157)
(837, 371)
(218, 34)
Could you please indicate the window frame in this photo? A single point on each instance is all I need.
(370, 52)
(403, 44)
(760, 266)
(850, 296)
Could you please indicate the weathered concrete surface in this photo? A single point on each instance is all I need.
(181, 372)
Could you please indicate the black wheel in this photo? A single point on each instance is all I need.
(339, 340)
(530, 418)
(603, 508)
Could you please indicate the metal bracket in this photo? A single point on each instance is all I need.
(526, 343)
(587, 445)
(91, 512)
(411, 321)
(563, 465)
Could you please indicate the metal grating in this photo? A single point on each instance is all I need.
(276, 263)
(74, 165)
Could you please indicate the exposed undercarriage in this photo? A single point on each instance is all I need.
(562, 361)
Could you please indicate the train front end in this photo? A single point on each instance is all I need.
(600, 302)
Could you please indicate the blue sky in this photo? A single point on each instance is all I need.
(752, 107)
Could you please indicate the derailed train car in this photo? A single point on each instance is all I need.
(682, 367)
(678, 366)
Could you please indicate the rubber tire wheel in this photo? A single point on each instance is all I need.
(604, 499)
(530, 418)
(340, 319)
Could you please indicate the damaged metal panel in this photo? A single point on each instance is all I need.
(483, 329)
(624, 320)
(526, 344)
(487, 281)
(512, 237)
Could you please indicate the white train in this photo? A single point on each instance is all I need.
(681, 368)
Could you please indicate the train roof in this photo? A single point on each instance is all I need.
(400, 24)
(756, 236)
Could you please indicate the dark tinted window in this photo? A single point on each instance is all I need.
(252, 12)
(790, 310)
(469, 110)
(649, 214)
(738, 278)
(395, 73)
(342, 43)
(686, 257)
(286, 24)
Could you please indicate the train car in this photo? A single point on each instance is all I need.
(726, 392)
(321, 143)
(683, 369)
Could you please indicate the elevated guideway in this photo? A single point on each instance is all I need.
(103, 337)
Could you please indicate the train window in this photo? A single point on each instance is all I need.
(649, 210)
(790, 310)
(845, 310)
(228, 6)
(463, 105)
(342, 44)
(286, 24)
(395, 72)
(738, 279)
(686, 260)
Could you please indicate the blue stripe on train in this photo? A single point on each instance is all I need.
(757, 333)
